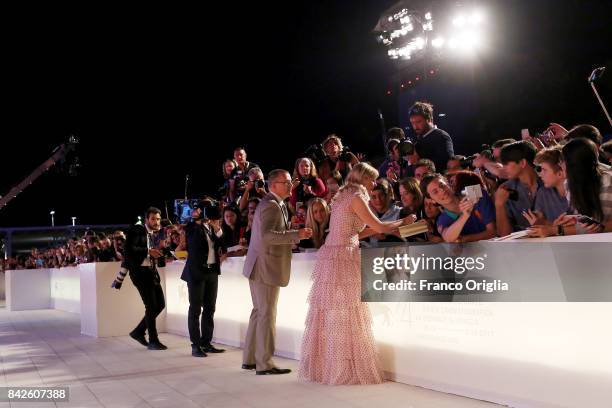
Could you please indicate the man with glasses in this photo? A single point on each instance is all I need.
(267, 266)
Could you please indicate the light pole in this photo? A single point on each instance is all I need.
(73, 221)
(52, 213)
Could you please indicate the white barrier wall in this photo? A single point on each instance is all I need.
(108, 312)
(65, 289)
(28, 289)
(2, 286)
(517, 354)
(234, 304)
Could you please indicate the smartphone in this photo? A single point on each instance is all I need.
(583, 219)
(525, 134)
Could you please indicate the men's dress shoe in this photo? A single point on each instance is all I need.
(212, 349)
(197, 352)
(248, 366)
(139, 338)
(156, 345)
(273, 371)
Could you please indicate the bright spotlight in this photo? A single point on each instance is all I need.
(437, 42)
(477, 17)
(428, 16)
(419, 42)
(459, 21)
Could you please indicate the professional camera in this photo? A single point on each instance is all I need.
(184, 208)
(316, 153)
(260, 183)
(467, 161)
(308, 181)
(406, 147)
(345, 155)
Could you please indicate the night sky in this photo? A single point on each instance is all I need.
(153, 99)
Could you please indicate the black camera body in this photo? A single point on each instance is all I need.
(405, 147)
(345, 155)
(260, 183)
(316, 153)
(308, 181)
(467, 161)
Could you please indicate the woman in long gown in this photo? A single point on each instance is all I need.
(338, 346)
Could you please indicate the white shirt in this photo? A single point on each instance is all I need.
(147, 260)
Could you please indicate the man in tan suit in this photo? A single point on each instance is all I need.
(268, 266)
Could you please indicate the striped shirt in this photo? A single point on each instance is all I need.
(605, 195)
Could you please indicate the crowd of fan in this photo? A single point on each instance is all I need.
(556, 183)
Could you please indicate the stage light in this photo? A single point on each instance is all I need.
(428, 26)
(477, 17)
(419, 42)
(428, 16)
(437, 42)
(459, 21)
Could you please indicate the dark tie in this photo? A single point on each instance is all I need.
(285, 213)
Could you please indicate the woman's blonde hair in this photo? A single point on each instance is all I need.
(296, 170)
(360, 172)
(355, 180)
(318, 230)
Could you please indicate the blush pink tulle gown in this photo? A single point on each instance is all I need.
(338, 346)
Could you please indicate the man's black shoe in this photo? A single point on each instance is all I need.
(273, 371)
(197, 351)
(139, 338)
(156, 345)
(248, 366)
(212, 349)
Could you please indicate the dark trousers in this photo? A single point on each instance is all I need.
(146, 281)
(202, 300)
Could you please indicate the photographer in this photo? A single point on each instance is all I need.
(255, 188)
(337, 158)
(239, 176)
(462, 219)
(201, 272)
(305, 183)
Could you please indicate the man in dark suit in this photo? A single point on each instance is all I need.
(141, 259)
(201, 273)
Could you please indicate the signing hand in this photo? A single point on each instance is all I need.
(409, 219)
(155, 253)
